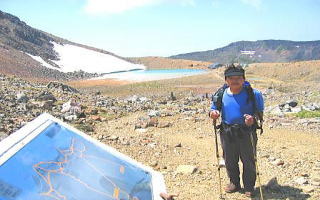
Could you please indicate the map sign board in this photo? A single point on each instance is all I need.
(49, 160)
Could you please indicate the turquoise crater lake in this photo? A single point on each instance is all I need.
(152, 74)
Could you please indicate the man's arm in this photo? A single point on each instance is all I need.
(259, 100)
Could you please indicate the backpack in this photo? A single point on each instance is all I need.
(217, 100)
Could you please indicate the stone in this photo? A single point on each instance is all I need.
(172, 97)
(70, 117)
(153, 122)
(144, 125)
(47, 105)
(87, 128)
(100, 137)
(178, 145)
(316, 168)
(277, 111)
(22, 97)
(113, 137)
(141, 130)
(96, 118)
(315, 181)
(164, 124)
(132, 99)
(273, 184)
(62, 87)
(296, 109)
(152, 145)
(308, 189)
(154, 163)
(278, 162)
(186, 169)
(142, 122)
(46, 95)
(143, 99)
(292, 103)
(271, 158)
(301, 180)
(153, 113)
(71, 106)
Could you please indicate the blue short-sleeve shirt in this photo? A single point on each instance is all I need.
(234, 106)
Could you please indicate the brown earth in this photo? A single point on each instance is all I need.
(204, 83)
(159, 148)
(92, 83)
(168, 63)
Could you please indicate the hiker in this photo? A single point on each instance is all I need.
(239, 106)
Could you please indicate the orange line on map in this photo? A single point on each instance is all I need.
(45, 173)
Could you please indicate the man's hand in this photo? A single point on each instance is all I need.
(248, 119)
(214, 114)
(165, 196)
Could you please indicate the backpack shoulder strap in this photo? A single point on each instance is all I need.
(258, 115)
(217, 97)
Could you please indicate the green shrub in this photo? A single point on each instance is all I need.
(308, 114)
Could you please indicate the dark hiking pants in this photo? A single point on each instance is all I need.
(236, 143)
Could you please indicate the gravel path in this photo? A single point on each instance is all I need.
(291, 157)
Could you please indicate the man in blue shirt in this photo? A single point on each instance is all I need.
(238, 122)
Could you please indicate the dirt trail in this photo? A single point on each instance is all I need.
(157, 147)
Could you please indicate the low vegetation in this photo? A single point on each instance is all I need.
(308, 114)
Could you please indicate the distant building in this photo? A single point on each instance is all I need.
(215, 65)
(248, 52)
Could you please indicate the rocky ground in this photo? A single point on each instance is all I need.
(173, 134)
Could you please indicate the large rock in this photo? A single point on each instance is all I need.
(22, 97)
(132, 99)
(72, 106)
(45, 96)
(145, 122)
(61, 87)
(277, 111)
(296, 109)
(47, 105)
(292, 103)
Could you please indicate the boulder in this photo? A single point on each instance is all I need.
(22, 97)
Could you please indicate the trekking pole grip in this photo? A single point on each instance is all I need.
(214, 122)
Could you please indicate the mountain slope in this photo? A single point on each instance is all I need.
(258, 51)
(31, 53)
(167, 63)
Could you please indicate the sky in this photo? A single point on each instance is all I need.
(136, 28)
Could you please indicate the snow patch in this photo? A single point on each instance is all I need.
(73, 58)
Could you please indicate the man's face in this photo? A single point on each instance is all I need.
(235, 82)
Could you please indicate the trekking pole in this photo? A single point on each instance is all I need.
(217, 155)
(256, 163)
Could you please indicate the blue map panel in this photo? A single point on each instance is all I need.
(59, 164)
